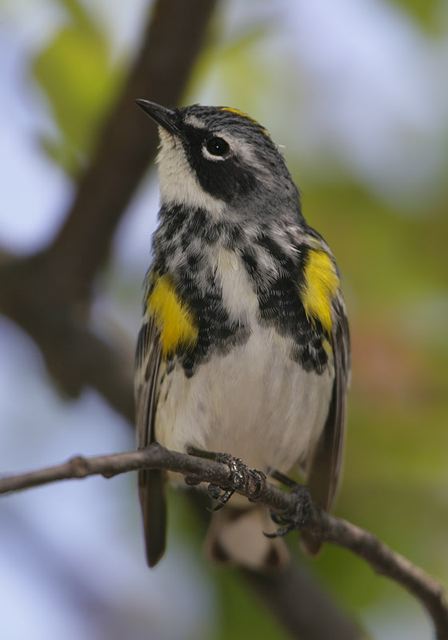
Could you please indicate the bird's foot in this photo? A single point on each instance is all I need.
(297, 518)
(241, 478)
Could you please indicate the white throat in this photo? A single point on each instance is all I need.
(178, 183)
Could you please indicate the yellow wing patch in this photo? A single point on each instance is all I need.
(172, 317)
(320, 286)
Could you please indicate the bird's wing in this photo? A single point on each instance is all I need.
(325, 467)
(151, 482)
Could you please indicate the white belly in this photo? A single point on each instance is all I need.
(254, 403)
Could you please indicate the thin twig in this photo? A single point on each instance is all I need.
(330, 529)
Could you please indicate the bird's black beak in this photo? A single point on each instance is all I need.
(166, 118)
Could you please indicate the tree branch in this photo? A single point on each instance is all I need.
(47, 294)
(329, 528)
(126, 144)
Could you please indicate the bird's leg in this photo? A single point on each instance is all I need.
(296, 519)
(286, 480)
(202, 453)
(241, 477)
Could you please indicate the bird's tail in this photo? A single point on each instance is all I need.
(235, 536)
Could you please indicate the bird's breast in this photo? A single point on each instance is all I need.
(238, 293)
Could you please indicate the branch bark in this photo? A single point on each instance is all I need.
(48, 293)
(126, 145)
(329, 528)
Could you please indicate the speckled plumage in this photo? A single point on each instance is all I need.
(265, 378)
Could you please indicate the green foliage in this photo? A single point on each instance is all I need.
(425, 12)
(76, 74)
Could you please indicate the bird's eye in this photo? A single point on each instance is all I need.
(217, 146)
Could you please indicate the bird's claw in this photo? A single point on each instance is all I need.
(296, 519)
(241, 477)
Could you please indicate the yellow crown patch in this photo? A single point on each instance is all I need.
(242, 114)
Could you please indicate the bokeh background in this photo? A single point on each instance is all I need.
(357, 92)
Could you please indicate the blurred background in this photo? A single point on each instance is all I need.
(356, 91)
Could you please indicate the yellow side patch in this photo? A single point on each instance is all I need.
(327, 346)
(172, 317)
(320, 287)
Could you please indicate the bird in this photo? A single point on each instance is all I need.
(244, 346)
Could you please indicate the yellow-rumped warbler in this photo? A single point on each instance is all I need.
(244, 347)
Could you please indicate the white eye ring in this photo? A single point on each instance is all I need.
(215, 148)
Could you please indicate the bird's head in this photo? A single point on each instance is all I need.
(219, 159)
